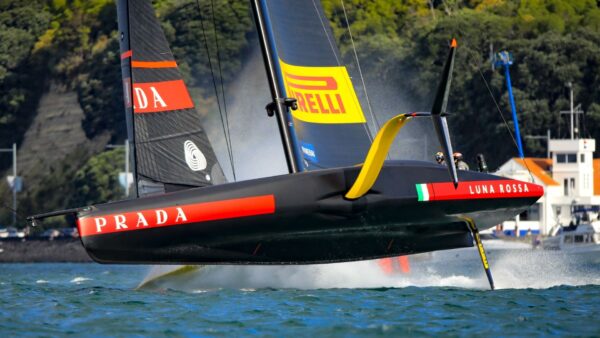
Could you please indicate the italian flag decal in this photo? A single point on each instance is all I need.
(422, 192)
(467, 190)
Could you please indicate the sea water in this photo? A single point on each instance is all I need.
(351, 299)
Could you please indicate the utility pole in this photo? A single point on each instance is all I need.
(126, 145)
(14, 182)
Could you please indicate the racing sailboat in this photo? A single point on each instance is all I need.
(341, 201)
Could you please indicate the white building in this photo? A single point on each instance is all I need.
(571, 177)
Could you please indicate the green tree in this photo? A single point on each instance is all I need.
(21, 78)
(100, 92)
(189, 28)
(553, 42)
(77, 181)
(97, 181)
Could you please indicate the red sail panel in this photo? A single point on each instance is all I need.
(155, 97)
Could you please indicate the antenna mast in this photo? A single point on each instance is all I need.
(572, 112)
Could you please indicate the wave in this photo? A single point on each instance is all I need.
(461, 268)
(79, 280)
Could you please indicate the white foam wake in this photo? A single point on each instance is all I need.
(79, 280)
(456, 268)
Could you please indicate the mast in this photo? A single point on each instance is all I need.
(280, 103)
(125, 47)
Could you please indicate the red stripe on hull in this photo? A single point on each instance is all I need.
(483, 190)
(176, 215)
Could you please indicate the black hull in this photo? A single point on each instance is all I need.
(311, 222)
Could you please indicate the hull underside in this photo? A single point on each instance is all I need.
(310, 221)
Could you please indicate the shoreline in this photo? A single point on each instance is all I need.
(63, 250)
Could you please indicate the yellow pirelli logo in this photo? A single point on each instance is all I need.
(324, 94)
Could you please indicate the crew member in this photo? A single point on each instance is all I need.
(458, 161)
(439, 158)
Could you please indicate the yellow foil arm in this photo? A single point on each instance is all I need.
(376, 156)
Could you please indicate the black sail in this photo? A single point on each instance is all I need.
(329, 122)
(170, 149)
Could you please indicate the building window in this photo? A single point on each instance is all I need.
(566, 158)
(582, 158)
(569, 186)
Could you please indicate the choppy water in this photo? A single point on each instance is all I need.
(355, 299)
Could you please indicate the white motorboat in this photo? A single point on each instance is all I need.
(582, 240)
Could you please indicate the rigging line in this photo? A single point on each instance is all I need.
(477, 64)
(362, 79)
(503, 119)
(497, 106)
(329, 39)
(339, 63)
(17, 213)
(228, 135)
(214, 81)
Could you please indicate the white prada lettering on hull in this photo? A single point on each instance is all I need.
(141, 220)
(147, 218)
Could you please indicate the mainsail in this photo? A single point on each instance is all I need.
(329, 122)
(170, 149)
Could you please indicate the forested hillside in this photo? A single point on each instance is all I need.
(553, 42)
(72, 45)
